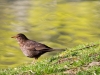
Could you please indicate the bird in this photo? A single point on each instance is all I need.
(31, 48)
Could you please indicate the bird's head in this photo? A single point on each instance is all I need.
(20, 37)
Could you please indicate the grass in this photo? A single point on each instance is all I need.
(79, 60)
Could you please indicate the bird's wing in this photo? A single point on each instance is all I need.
(33, 45)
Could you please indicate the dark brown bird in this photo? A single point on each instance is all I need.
(32, 48)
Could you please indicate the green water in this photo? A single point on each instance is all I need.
(59, 24)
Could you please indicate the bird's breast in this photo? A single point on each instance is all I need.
(28, 53)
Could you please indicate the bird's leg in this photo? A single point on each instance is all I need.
(34, 61)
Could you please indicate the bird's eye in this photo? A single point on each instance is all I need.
(18, 36)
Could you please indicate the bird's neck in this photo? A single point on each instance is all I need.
(22, 41)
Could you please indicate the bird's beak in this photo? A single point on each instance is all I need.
(13, 37)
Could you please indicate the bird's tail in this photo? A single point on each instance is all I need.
(50, 50)
(57, 49)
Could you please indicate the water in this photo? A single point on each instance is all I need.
(59, 24)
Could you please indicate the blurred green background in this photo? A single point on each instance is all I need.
(57, 23)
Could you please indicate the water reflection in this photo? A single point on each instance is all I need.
(59, 24)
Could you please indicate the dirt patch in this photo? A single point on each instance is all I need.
(74, 71)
